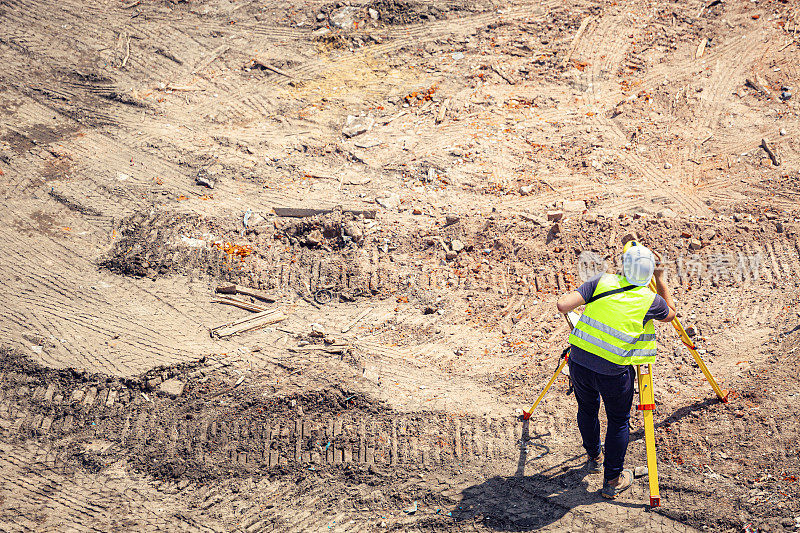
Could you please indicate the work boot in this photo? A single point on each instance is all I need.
(595, 464)
(613, 487)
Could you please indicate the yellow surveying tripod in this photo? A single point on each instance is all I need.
(647, 401)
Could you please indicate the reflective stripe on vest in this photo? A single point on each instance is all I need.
(611, 327)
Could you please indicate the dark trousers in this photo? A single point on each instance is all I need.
(617, 394)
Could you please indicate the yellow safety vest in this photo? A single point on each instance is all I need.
(611, 327)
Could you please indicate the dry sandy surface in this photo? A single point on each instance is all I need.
(432, 278)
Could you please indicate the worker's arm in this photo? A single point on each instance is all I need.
(662, 290)
(569, 302)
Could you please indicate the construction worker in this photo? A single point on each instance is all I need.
(614, 333)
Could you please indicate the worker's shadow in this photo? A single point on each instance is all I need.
(528, 502)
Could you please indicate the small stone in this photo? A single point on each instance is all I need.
(640, 471)
(353, 230)
(416, 211)
(316, 34)
(708, 234)
(431, 174)
(555, 216)
(317, 330)
(456, 245)
(638, 215)
(172, 387)
(786, 95)
(738, 217)
(574, 205)
(450, 255)
(691, 331)
(590, 218)
(668, 165)
(314, 238)
(205, 181)
(779, 227)
(667, 213)
(695, 244)
(357, 125)
(782, 132)
(320, 16)
(373, 13)
(771, 216)
(556, 229)
(525, 190)
(451, 219)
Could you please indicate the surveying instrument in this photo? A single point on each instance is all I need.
(647, 403)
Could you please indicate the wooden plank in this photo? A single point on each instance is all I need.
(243, 304)
(257, 320)
(247, 291)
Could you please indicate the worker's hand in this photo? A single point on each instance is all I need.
(658, 271)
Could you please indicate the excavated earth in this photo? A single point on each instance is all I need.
(411, 185)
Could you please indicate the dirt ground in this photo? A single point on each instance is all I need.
(149, 151)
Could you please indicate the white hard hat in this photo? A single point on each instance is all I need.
(638, 264)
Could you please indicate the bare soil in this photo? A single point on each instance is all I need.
(147, 147)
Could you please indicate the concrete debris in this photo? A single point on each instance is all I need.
(315, 238)
(344, 18)
(172, 387)
(555, 216)
(205, 180)
(357, 125)
(578, 206)
(389, 201)
(353, 230)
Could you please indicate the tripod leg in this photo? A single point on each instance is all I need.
(647, 405)
(527, 414)
(722, 395)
